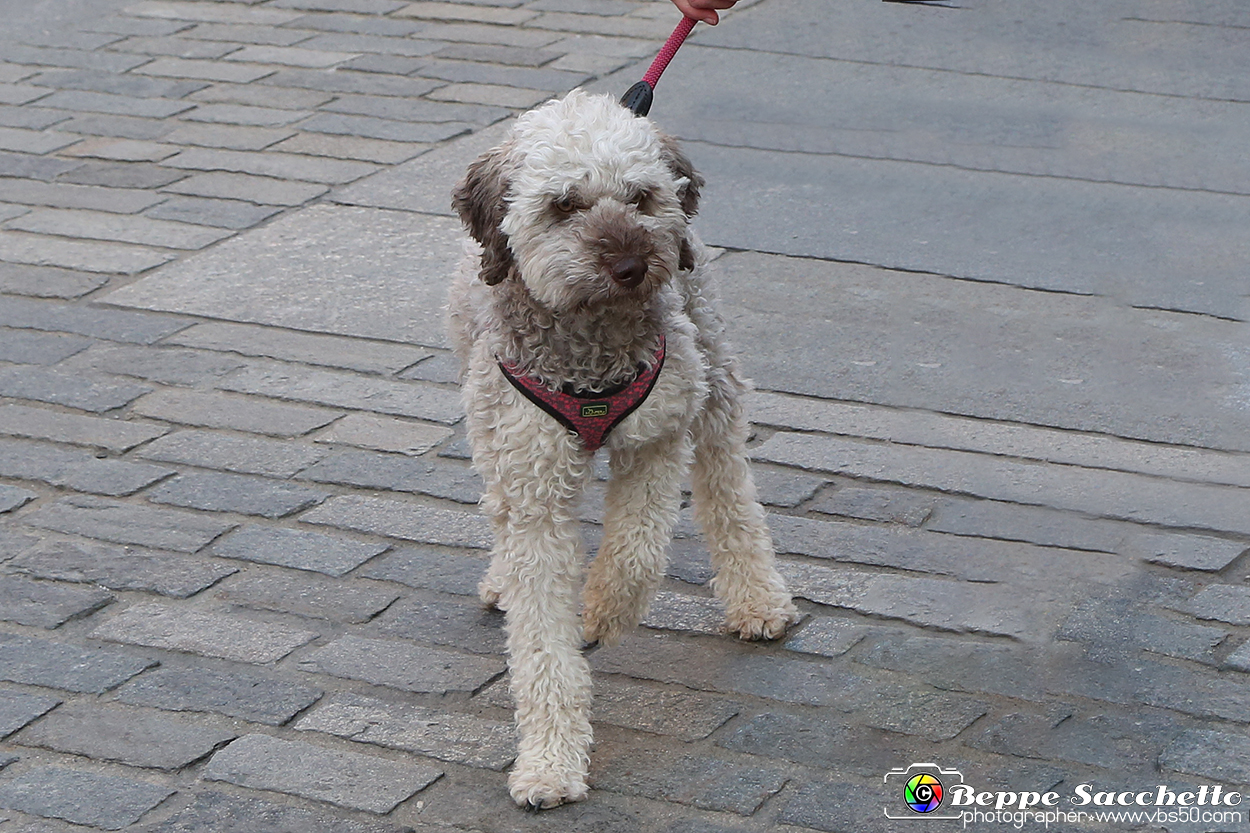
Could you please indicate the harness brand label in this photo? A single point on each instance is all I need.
(594, 409)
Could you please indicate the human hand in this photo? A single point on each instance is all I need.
(704, 10)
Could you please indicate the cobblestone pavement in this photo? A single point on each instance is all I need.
(238, 540)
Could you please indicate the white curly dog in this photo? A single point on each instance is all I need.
(584, 319)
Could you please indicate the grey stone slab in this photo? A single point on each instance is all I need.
(1120, 743)
(75, 429)
(207, 634)
(97, 322)
(241, 413)
(243, 494)
(828, 637)
(181, 10)
(274, 164)
(360, 24)
(378, 43)
(135, 737)
(822, 741)
(347, 779)
(19, 708)
(1222, 602)
(87, 798)
(963, 607)
(29, 141)
(1115, 626)
(442, 367)
(79, 469)
(424, 183)
(679, 713)
(121, 568)
(95, 102)
(29, 166)
(57, 387)
(1221, 756)
(887, 505)
(350, 147)
(297, 548)
(398, 473)
(309, 348)
(279, 275)
(459, 623)
(122, 127)
(262, 190)
(245, 114)
(176, 47)
(349, 390)
(505, 55)
(1239, 660)
(248, 455)
(786, 489)
(117, 84)
(680, 612)
(234, 694)
(1188, 552)
(402, 665)
(47, 282)
(463, 739)
(982, 348)
(389, 130)
(709, 666)
(403, 520)
(552, 80)
(249, 33)
(125, 523)
(971, 559)
(223, 813)
(703, 781)
(126, 229)
(308, 595)
(59, 195)
(134, 153)
(431, 568)
(134, 175)
(1033, 524)
(1108, 494)
(47, 604)
(206, 70)
(12, 497)
(233, 137)
(231, 214)
(87, 255)
(67, 667)
(351, 82)
(170, 366)
(381, 433)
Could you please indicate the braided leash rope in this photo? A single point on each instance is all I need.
(638, 97)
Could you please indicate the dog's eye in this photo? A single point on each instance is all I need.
(641, 200)
(565, 204)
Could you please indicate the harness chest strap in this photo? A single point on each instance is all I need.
(591, 416)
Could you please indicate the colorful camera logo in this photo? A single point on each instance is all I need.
(923, 793)
(922, 788)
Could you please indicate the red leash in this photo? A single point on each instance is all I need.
(638, 97)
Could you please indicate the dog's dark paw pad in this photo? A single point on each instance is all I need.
(533, 807)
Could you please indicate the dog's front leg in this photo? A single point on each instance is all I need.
(550, 677)
(643, 498)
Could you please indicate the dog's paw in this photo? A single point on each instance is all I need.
(490, 595)
(597, 629)
(769, 623)
(538, 788)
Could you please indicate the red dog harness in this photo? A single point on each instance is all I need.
(591, 416)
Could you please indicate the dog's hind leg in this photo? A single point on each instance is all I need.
(757, 604)
(643, 497)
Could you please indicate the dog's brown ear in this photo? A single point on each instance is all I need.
(480, 200)
(681, 167)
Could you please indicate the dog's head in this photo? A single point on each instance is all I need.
(584, 202)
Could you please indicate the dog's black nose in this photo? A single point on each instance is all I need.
(628, 271)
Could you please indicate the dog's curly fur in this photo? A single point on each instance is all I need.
(584, 259)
